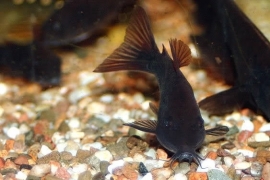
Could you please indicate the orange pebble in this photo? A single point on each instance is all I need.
(9, 144)
(257, 125)
(197, 176)
(212, 155)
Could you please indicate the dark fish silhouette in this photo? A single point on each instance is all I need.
(79, 19)
(180, 127)
(32, 61)
(239, 53)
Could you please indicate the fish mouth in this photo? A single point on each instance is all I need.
(189, 156)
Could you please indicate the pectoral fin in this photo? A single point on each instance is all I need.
(144, 125)
(153, 107)
(217, 131)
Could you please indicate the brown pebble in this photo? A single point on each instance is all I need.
(129, 172)
(228, 145)
(243, 136)
(86, 175)
(9, 144)
(22, 159)
(62, 173)
(2, 162)
(33, 151)
(266, 172)
(134, 141)
(197, 176)
(212, 155)
(231, 172)
(53, 156)
(223, 153)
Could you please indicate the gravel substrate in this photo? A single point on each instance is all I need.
(75, 131)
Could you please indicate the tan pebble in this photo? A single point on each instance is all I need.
(161, 154)
(62, 173)
(40, 170)
(263, 153)
(21, 159)
(266, 172)
(243, 136)
(261, 159)
(247, 178)
(212, 155)
(166, 172)
(257, 125)
(33, 151)
(197, 176)
(9, 164)
(9, 144)
(242, 165)
(129, 172)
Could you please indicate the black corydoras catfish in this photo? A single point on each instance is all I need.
(244, 54)
(180, 127)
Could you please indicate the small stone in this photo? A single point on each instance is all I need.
(21, 175)
(142, 169)
(44, 150)
(99, 176)
(12, 132)
(212, 155)
(138, 157)
(9, 164)
(183, 168)
(178, 176)
(228, 145)
(40, 170)
(231, 172)
(104, 167)
(256, 169)
(165, 172)
(53, 156)
(104, 155)
(247, 125)
(82, 155)
(161, 154)
(72, 147)
(242, 165)
(78, 94)
(136, 142)
(114, 165)
(62, 173)
(265, 171)
(259, 137)
(197, 175)
(86, 175)
(151, 153)
(66, 156)
(79, 168)
(243, 136)
(75, 135)
(74, 123)
(107, 98)
(22, 159)
(206, 165)
(265, 127)
(215, 174)
(129, 172)
(259, 144)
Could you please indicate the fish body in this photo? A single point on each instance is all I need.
(179, 127)
(244, 54)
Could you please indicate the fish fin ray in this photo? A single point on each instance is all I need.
(180, 52)
(144, 125)
(217, 131)
(153, 107)
(138, 48)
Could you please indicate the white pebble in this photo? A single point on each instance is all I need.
(122, 114)
(58, 137)
(61, 146)
(228, 161)
(265, 127)
(145, 105)
(75, 135)
(178, 176)
(40, 170)
(95, 108)
(78, 94)
(242, 165)
(246, 152)
(151, 153)
(103, 117)
(138, 157)
(258, 137)
(79, 168)
(87, 77)
(44, 150)
(96, 145)
(21, 175)
(12, 132)
(247, 125)
(3, 89)
(107, 98)
(115, 164)
(138, 98)
(24, 128)
(74, 123)
(104, 155)
(151, 164)
(206, 165)
(148, 176)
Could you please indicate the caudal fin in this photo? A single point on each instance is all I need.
(137, 50)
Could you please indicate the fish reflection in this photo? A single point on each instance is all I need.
(236, 51)
(180, 127)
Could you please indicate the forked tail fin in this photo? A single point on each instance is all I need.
(137, 50)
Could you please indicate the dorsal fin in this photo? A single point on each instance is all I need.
(180, 52)
(138, 48)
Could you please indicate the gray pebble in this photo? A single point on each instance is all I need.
(86, 175)
(99, 176)
(215, 174)
(104, 167)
